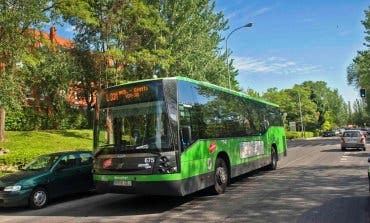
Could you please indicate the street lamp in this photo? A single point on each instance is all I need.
(227, 50)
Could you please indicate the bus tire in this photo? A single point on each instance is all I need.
(274, 159)
(221, 177)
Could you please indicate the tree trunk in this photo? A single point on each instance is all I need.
(2, 124)
(89, 112)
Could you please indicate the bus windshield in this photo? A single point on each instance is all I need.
(134, 127)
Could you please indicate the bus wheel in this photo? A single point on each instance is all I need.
(274, 160)
(221, 176)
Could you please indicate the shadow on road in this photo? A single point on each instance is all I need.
(334, 211)
(331, 151)
(68, 198)
(102, 205)
(289, 194)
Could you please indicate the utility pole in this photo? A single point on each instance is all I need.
(300, 112)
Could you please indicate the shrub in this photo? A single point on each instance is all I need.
(298, 135)
(28, 119)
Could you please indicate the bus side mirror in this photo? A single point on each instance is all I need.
(186, 135)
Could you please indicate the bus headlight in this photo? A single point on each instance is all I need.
(166, 166)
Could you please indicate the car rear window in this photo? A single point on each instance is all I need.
(351, 134)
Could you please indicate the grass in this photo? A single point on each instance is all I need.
(24, 146)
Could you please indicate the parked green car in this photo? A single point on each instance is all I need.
(47, 177)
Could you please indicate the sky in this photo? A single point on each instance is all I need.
(291, 41)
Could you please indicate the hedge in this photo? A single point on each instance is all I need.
(298, 135)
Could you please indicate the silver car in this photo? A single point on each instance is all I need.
(353, 139)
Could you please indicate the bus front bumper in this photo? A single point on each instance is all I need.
(164, 188)
(174, 187)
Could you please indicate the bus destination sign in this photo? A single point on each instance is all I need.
(127, 94)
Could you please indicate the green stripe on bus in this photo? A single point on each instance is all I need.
(195, 160)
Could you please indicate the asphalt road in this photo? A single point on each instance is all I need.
(316, 182)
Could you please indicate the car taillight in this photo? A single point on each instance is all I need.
(362, 139)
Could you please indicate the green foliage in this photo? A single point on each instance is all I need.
(16, 43)
(319, 105)
(252, 93)
(298, 135)
(326, 126)
(358, 73)
(125, 34)
(193, 40)
(163, 38)
(49, 72)
(290, 100)
(24, 146)
(331, 107)
(19, 46)
(29, 119)
(360, 116)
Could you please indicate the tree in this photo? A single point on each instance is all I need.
(360, 116)
(49, 73)
(292, 101)
(16, 42)
(137, 39)
(193, 39)
(358, 72)
(19, 22)
(125, 36)
(252, 93)
(330, 105)
(120, 41)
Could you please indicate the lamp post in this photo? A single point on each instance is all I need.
(227, 50)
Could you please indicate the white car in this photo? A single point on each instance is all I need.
(353, 139)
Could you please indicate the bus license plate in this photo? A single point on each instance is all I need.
(123, 183)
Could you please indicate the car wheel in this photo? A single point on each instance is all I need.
(221, 178)
(364, 149)
(38, 198)
(274, 160)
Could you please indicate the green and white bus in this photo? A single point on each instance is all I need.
(175, 136)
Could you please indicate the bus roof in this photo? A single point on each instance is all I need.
(205, 84)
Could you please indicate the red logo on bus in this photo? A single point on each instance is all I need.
(212, 147)
(107, 163)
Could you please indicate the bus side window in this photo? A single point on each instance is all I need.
(185, 136)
